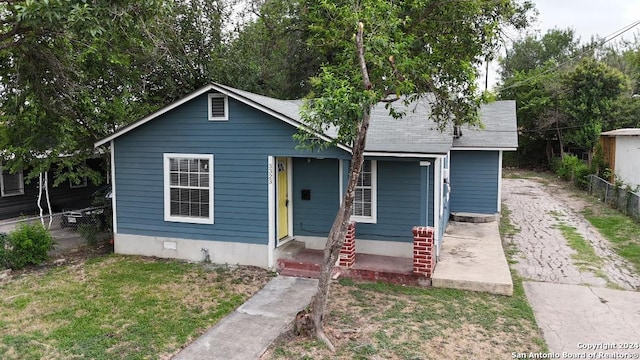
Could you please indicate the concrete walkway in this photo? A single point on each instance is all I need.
(570, 315)
(472, 258)
(249, 331)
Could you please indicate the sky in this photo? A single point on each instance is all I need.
(586, 17)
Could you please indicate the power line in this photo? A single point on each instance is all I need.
(607, 39)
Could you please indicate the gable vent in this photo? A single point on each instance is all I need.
(218, 107)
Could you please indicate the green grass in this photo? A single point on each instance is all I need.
(507, 231)
(375, 320)
(403, 322)
(622, 231)
(585, 258)
(116, 307)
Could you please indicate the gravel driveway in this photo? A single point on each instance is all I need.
(574, 304)
(537, 210)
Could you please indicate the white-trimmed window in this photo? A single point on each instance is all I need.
(365, 201)
(188, 188)
(11, 184)
(218, 107)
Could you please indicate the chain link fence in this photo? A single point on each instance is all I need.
(626, 201)
(70, 229)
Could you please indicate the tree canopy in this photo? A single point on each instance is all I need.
(568, 94)
(74, 71)
(386, 52)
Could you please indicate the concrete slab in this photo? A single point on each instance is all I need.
(247, 332)
(472, 258)
(473, 217)
(572, 316)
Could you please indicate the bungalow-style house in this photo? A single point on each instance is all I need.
(621, 150)
(218, 173)
(20, 198)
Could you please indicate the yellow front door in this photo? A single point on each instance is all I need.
(283, 198)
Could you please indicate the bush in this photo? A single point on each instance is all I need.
(580, 177)
(29, 244)
(570, 168)
(4, 249)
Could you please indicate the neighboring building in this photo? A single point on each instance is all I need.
(20, 198)
(622, 152)
(219, 170)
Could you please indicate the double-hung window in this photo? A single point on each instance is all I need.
(11, 184)
(364, 203)
(188, 188)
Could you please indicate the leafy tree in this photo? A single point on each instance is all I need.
(73, 72)
(269, 55)
(401, 51)
(625, 110)
(532, 52)
(591, 89)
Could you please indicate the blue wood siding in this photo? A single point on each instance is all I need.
(398, 202)
(474, 181)
(240, 146)
(314, 217)
(399, 199)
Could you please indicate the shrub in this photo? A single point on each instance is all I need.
(565, 168)
(580, 175)
(29, 244)
(570, 168)
(4, 250)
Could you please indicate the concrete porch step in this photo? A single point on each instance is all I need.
(367, 267)
(473, 217)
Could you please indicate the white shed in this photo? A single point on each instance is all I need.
(622, 152)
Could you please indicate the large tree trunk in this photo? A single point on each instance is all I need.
(341, 222)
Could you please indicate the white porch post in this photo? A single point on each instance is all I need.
(271, 184)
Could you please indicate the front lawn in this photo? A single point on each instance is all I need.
(385, 321)
(117, 307)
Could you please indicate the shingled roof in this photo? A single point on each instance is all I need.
(500, 128)
(415, 133)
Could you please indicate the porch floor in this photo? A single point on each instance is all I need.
(471, 258)
(398, 270)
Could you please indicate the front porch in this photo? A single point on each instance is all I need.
(397, 270)
(297, 260)
(471, 258)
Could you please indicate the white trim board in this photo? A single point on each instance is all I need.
(401, 154)
(271, 194)
(114, 214)
(483, 149)
(500, 182)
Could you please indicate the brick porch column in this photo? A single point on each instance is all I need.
(348, 251)
(423, 256)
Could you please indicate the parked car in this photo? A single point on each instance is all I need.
(99, 214)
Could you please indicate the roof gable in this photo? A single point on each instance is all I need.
(414, 134)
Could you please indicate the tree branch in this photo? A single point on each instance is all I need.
(363, 65)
